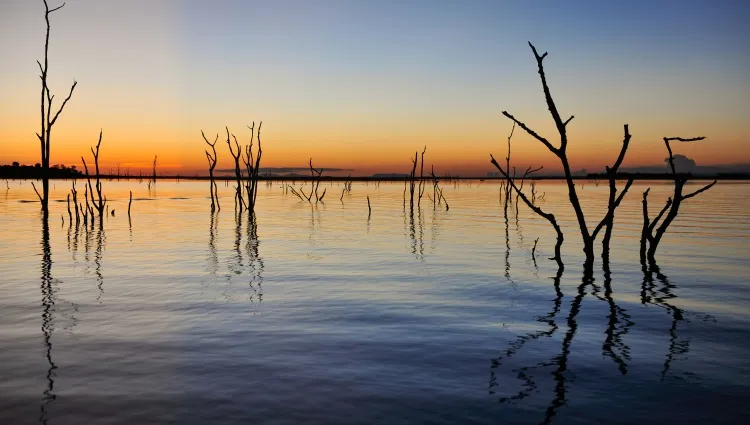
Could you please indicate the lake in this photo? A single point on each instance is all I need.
(323, 314)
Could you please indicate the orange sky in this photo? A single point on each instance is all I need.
(365, 99)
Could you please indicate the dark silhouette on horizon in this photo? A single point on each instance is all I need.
(22, 171)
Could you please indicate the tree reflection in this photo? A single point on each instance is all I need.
(656, 290)
(244, 261)
(214, 257)
(48, 305)
(548, 319)
(255, 261)
(659, 293)
(100, 245)
(416, 233)
(618, 324)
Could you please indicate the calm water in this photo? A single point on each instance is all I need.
(319, 314)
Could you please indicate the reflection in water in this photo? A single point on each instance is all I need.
(529, 385)
(656, 290)
(314, 222)
(48, 305)
(561, 360)
(659, 295)
(559, 363)
(214, 257)
(100, 243)
(416, 233)
(618, 324)
(255, 262)
(241, 263)
(235, 264)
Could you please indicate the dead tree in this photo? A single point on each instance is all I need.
(239, 200)
(412, 176)
(437, 191)
(561, 153)
(74, 192)
(348, 189)
(653, 231)
(252, 165)
(100, 202)
(421, 179)
(315, 177)
(154, 169)
(211, 158)
(47, 118)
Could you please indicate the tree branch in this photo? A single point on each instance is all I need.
(653, 224)
(52, 10)
(548, 97)
(533, 133)
(705, 188)
(625, 143)
(37, 192)
(75, 83)
(681, 139)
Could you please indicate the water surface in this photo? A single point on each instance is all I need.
(323, 314)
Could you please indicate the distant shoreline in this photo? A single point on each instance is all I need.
(601, 178)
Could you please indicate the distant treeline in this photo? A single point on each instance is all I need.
(667, 176)
(18, 171)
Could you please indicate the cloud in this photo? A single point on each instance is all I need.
(682, 164)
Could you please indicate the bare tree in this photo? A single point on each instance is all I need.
(315, 176)
(47, 118)
(211, 166)
(101, 201)
(421, 179)
(412, 176)
(252, 164)
(561, 153)
(238, 198)
(437, 191)
(653, 231)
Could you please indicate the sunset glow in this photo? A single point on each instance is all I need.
(365, 85)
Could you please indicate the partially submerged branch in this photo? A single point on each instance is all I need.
(211, 158)
(239, 200)
(547, 216)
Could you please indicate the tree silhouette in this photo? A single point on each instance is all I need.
(48, 119)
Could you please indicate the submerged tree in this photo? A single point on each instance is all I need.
(101, 201)
(239, 201)
(252, 165)
(653, 231)
(211, 166)
(415, 187)
(560, 152)
(48, 119)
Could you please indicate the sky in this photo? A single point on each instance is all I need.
(365, 84)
